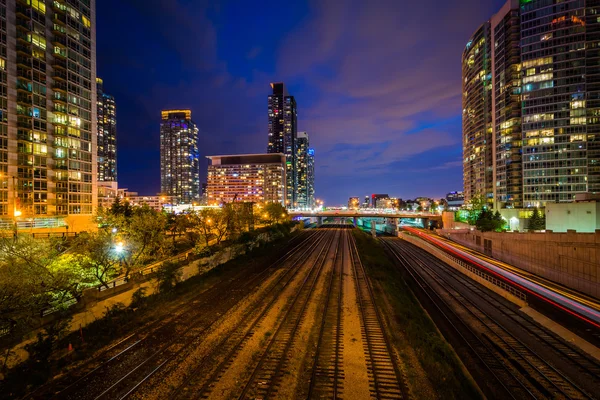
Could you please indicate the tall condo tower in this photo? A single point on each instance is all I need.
(47, 112)
(179, 157)
(477, 116)
(107, 135)
(305, 171)
(283, 130)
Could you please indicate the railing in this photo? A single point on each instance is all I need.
(66, 304)
(150, 269)
(474, 270)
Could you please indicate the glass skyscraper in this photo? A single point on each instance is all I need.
(283, 131)
(47, 110)
(561, 99)
(506, 107)
(546, 103)
(107, 135)
(477, 116)
(305, 163)
(179, 157)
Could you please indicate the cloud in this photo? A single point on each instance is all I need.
(387, 74)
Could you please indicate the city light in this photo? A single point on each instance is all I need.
(119, 247)
(17, 213)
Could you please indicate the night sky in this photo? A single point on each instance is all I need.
(377, 83)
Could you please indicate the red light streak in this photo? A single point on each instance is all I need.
(552, 302)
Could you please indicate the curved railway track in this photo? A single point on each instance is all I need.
(518, 368)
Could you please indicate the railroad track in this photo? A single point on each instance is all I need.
(327, 374)
(196, 383)
(266, 374)
(139, 354)
(557, 383)
(385, 378)
(168, 356)
(503, 351)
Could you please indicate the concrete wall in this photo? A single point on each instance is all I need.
(571, 259)
(580, 217)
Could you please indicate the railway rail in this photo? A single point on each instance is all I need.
(386, 379)
(264, 378)
(482, 320)
(196, 383)
(137, 353)
(327, 374)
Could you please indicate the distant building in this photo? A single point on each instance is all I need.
(246, 178)
(107, 135)
(380, 201)
(366, 203)
(455, 200)
(311, 177)
(305, 172)
(179, 157)
(353, 203)
(283, 131)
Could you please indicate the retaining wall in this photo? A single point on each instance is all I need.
(571, 259)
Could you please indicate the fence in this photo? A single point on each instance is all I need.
(442, 255)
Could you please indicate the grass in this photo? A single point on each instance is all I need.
(412, 328)
(49, 359)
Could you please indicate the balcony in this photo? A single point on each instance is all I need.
(23, 99)
(59, 86)
(59, 74)
(23, 48)
(60, 63)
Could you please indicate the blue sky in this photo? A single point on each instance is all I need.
(377, 84)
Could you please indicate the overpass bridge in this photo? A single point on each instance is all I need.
(392, 217)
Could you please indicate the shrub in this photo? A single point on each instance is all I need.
(168, 275)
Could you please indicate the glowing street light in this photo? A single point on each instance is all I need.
(18, 213)
(119, 247)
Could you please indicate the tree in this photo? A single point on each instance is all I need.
(202, 223)
(168, 275)
(98, 254)
(143, 238)
(488, 221)
(34, 274)
(499, 221)
(276, 212)
(537, 222)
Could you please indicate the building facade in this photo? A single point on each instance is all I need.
(477, 116)
(506, 107)
(561, 100)
(254, 178)
(545, 104)
(179, 156)
(380, 201)
(305, 156)
(283, 131)
(107, 135)
(47, 110)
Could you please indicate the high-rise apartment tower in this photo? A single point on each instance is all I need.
(179, 157)
(47, 111)
(107, 135)
(283, 130)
